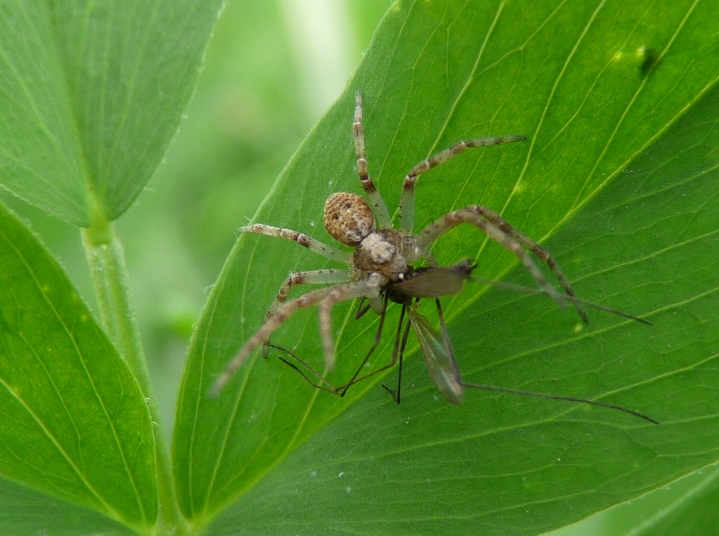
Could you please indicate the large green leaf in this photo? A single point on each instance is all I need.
(617, 179)
(93, 92)
(75, 424)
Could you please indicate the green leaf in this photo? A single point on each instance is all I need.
(24, 511)
(617, 180)
(685, 506)
(93, 94)
(693, 510)
(75, 423)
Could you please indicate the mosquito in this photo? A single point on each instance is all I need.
(436, 346)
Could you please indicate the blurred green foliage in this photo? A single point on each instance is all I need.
(250, 110)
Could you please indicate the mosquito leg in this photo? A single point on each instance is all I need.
(407, 203)
(362, 309)
(399, 350)
(317, 380)
(375, 344)
(376, 304)
(445, 332)
(389, 365)
(534, 394)
(375, 199)
(314, 378)
(301, 361)
(407, 329)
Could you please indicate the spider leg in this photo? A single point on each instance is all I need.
(302, 239)
(315, 277)
(530, 245)
(368, 287)
(472, 216)
(407, 202)
(375, 199)
(263, 334)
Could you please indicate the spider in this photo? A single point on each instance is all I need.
(382, 255)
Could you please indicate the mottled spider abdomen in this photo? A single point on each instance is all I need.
(348, 218)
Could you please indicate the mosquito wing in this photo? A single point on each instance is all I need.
(439, 357)
(433, 282)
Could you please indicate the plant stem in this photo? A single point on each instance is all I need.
(109, 274)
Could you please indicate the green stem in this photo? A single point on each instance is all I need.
(109, 274)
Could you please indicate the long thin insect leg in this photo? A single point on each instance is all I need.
(396, 395)
(573, 299)
(389, 365)
(362, 308)
(445, 333)
(314, 378)
(401, 361)
(558, 397)
(321, 382)
(401, 351)
(376, 303)
(377, 339)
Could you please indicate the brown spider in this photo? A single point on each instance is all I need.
(383, 256)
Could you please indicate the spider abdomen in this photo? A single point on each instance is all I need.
(348, 218)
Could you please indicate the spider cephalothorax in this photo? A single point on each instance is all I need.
(383, 256)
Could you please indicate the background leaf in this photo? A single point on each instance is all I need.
(615, 180)
(94, 94)
(693, 512)
(75, 423)
(686, 506)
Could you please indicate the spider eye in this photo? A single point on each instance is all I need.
(348, 218)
